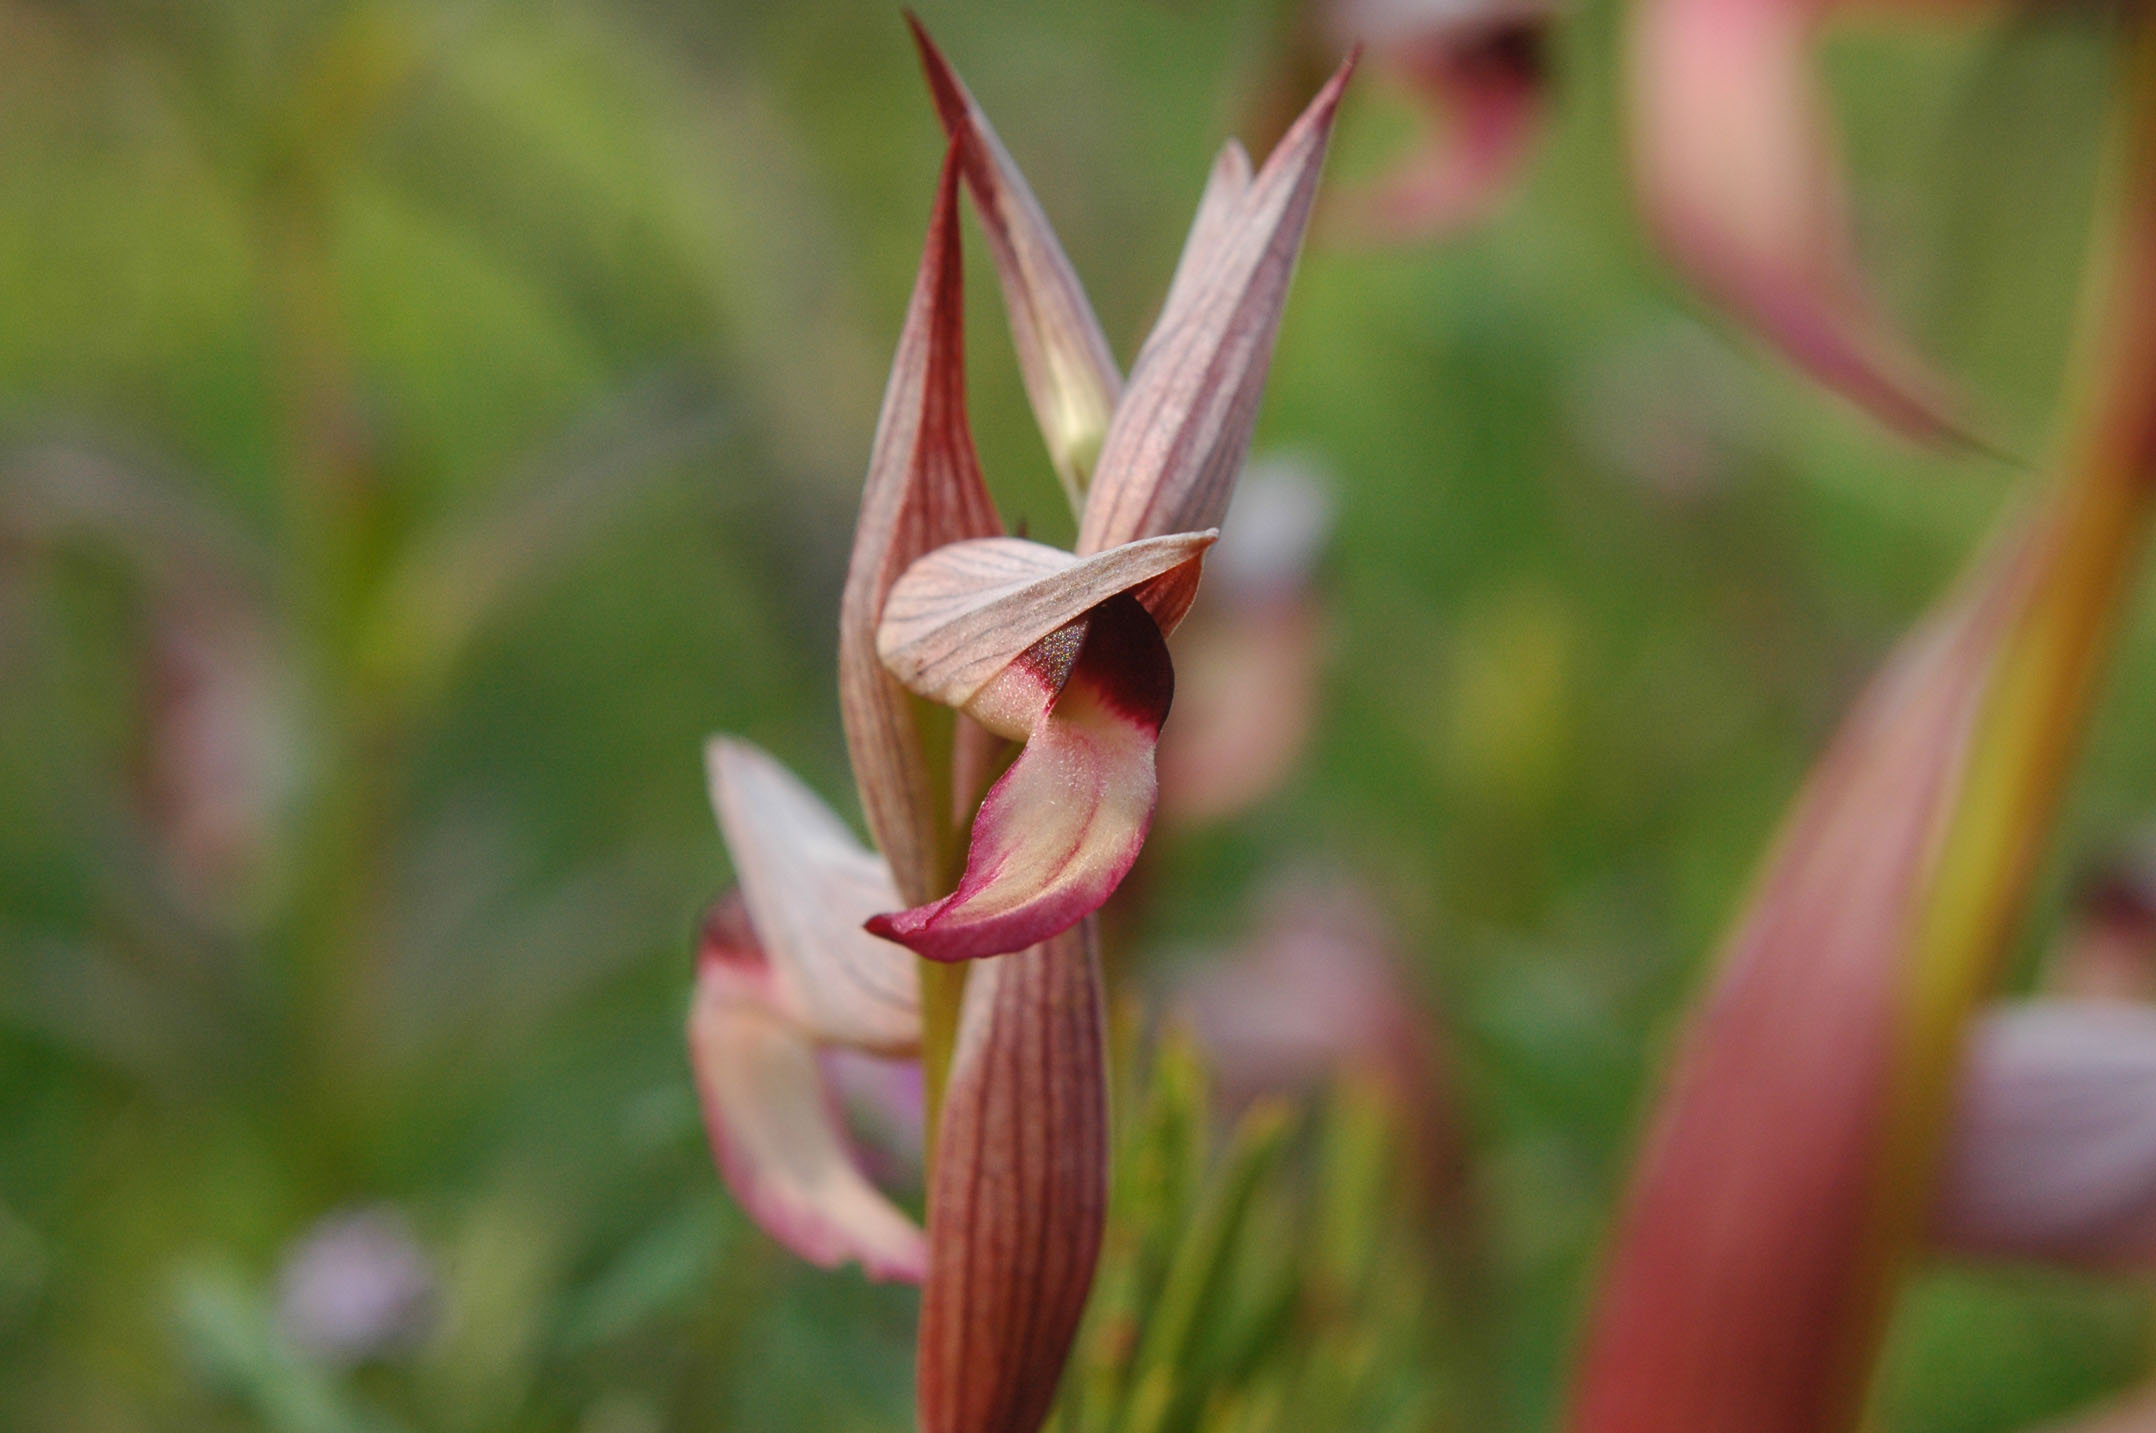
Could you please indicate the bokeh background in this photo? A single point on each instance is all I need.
(421, 425)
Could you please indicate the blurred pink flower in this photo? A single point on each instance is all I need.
(1479, 70)
(1319, 992)
(2108, 948)
(1247, 662)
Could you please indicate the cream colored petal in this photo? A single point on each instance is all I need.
(809, 885)
(1180, 434)
(966, 611)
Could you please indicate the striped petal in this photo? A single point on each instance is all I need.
(924, 489)
(1071, 377)
(1178, 438)
(773, 1123)
(808, 885)
(1019, 1196)
(1218, 207)
(966, 611)
(2054, 1153)
(1739, 177)
(1059, 831)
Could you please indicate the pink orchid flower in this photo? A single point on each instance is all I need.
(1062, 652)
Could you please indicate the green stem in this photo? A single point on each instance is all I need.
(943, 993)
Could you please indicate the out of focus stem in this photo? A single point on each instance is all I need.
(2049, 671)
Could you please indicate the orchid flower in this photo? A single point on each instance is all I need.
(1739, 177)
(955, 639)
(1807, 1148)
(1064, 652)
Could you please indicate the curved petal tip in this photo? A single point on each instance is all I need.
(1060, 830)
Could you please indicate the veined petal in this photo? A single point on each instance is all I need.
(1070, 374)
(924, 489)
(2053, 1156)
(1019, 1196)
(1742, 1288)
(774, 1126)
(808, 885)
(1060, 830)
(1225, 185)
(966, 611)
(1740, 178)
(1179, 435)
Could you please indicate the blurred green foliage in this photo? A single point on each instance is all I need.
(494, 382)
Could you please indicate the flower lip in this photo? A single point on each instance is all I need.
(1059, 831)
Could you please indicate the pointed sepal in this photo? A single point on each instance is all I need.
(1070, 374)
(924, 489)
(1179, 436)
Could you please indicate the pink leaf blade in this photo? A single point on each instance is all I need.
(1743, 1288)
(1018, 1200)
